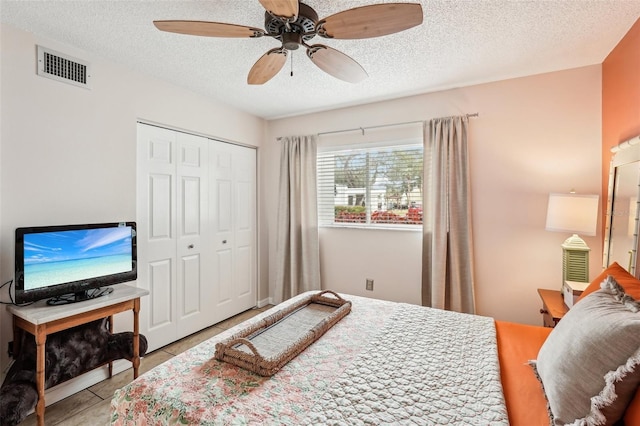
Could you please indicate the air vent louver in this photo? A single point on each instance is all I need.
(60, 67)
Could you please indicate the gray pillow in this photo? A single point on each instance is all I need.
(589, 366)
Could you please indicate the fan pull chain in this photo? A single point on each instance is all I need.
(291, 64)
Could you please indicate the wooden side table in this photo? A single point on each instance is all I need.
(553, 307)
(40, 320)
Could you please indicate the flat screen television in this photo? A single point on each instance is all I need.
(71, 263)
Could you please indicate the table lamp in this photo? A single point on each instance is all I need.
(575, 214)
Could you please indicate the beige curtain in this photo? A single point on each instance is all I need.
(447, 261)
(297, 247)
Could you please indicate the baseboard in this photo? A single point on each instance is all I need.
(264, 302)
(83, 381)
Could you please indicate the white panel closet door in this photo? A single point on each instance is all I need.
(172, 214)
(233, 218)
(156, 234)
(194, 288)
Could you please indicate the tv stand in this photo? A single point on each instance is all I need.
(40, 320)
(79, 296)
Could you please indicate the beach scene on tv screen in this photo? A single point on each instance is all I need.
(59, 257)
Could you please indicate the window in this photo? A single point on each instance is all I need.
(375, 185)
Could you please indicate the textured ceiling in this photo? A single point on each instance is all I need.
(459, 43)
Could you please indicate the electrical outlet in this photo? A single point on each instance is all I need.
(369, 285)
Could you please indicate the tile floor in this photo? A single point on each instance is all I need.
(91, 406)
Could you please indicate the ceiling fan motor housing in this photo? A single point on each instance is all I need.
(292, 34)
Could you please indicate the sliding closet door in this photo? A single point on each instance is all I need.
(233, 218)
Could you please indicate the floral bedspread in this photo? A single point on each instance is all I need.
(195, 388)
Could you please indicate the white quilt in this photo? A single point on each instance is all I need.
(425, 367)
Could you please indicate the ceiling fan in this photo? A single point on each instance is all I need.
(294, 24)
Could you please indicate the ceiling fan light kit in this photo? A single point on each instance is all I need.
(294, 24)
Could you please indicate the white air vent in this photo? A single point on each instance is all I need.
(61, 67)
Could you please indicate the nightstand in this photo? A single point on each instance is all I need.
(553, 307)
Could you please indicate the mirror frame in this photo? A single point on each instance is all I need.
(624, 153)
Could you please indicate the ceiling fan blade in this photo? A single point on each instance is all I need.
(281, 8)
(371, 21)
(336, 63)
(267, 66)
(208, 29)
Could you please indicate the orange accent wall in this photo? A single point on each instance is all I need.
(620, 97)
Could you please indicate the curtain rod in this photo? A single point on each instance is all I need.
(362, 129)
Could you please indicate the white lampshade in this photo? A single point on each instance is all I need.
(572, 213)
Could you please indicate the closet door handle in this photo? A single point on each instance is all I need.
(190, 246)
(224, 241)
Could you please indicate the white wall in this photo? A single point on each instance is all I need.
(534, 135)
(69, 154)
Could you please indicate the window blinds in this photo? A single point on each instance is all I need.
(374, 184)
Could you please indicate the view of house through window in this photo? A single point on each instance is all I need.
(371, 186)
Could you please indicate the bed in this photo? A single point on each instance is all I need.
(389, 363)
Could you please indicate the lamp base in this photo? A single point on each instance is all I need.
(575, 260)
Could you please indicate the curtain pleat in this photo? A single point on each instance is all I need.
(447, 255)
(297, 246)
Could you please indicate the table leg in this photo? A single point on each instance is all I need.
(41, 338)
(17, 340)
(136, 338)
(110, 332)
